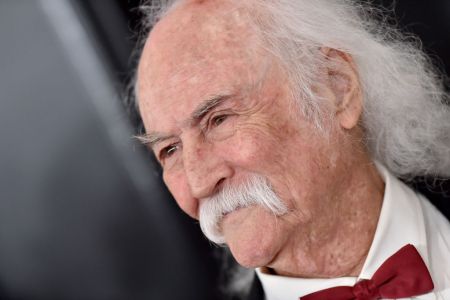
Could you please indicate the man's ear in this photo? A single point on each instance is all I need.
(342, 79)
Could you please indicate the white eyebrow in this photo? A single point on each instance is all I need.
(153, 138)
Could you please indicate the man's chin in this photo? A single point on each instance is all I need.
(248, 239)
(249, 254)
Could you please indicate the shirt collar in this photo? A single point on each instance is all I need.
(401, 222)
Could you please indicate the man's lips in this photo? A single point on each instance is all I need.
(229, 218)
(234, 210)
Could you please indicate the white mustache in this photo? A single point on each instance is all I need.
(256, 190)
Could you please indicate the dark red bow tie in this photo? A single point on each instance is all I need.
(402, 275)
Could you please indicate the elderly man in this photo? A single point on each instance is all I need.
(283, 125)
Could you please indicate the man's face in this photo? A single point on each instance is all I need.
(221, 110)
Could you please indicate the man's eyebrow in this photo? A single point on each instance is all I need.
(206, 106)
(151, 139)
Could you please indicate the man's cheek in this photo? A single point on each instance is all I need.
(179, 188)
(246, 146)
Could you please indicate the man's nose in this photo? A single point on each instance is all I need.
(206, 169)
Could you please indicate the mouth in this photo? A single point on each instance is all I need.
(235, 213)
(232, 211)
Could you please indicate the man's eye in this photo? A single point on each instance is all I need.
(216, 121)
(168, 152)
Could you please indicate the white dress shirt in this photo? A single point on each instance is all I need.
(406, 218)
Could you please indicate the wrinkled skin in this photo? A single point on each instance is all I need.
(205, 49)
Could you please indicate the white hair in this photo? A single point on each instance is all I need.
(255, 190)
(406, 113)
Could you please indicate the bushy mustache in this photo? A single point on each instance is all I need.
(256, 190)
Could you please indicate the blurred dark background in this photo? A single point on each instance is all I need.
(83, 214)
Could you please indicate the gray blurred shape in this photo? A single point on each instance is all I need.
(81, 214)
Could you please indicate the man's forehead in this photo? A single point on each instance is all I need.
(164, 107)
(195, 31)
(195, 51)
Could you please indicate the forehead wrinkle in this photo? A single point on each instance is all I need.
(186, 74)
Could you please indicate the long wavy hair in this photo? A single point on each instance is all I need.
(406, 112)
